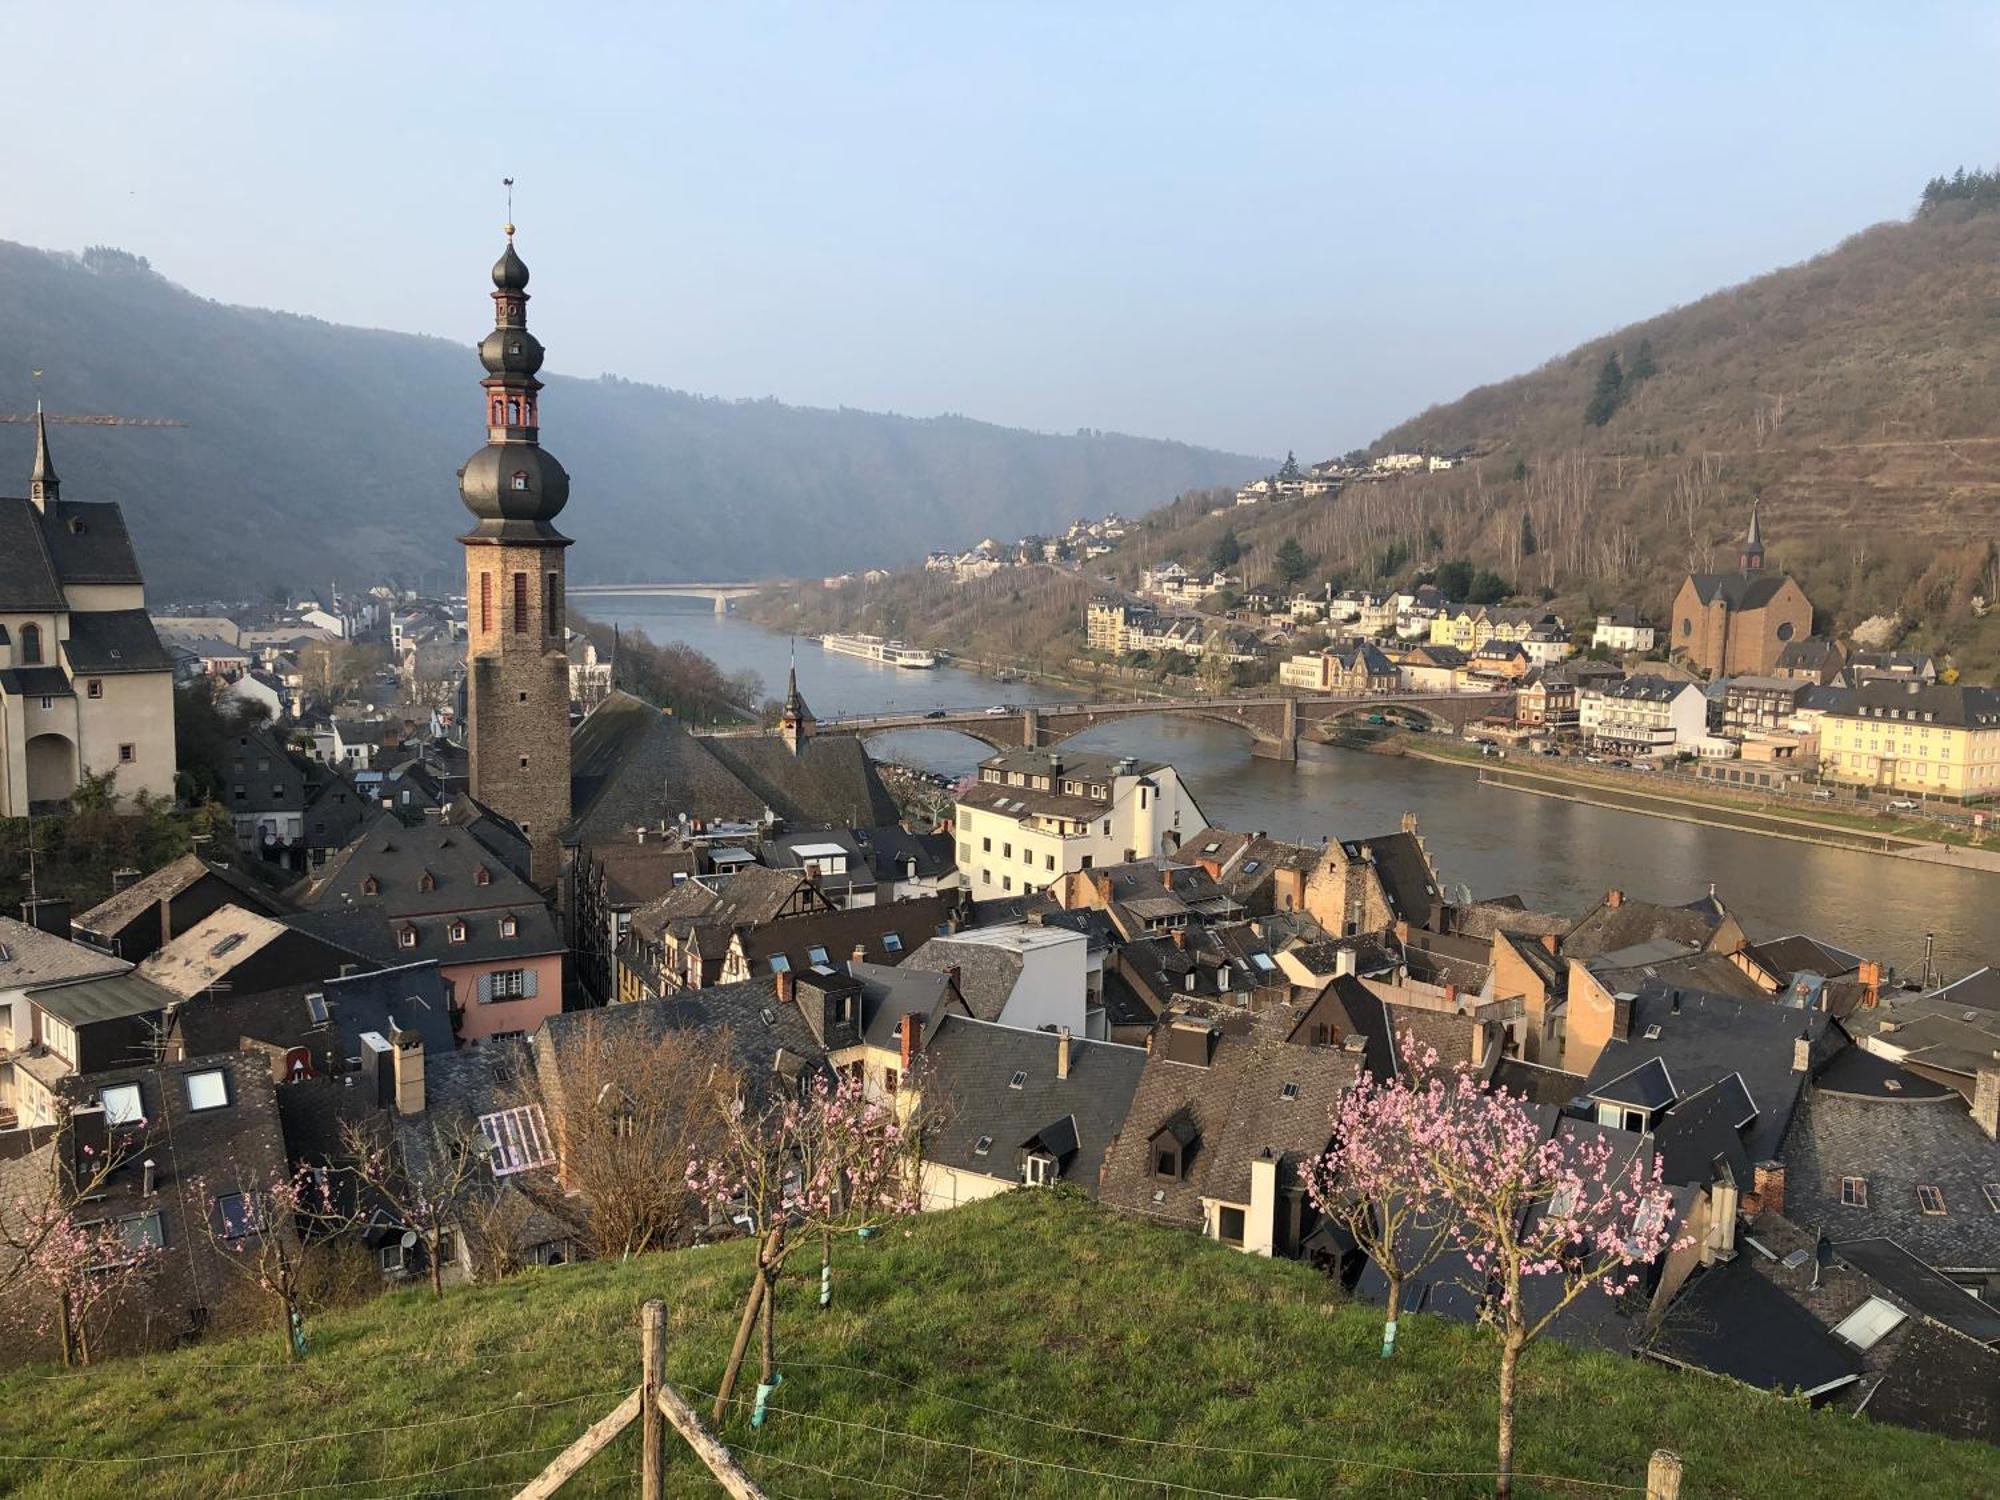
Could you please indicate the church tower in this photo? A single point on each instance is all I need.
(517, 672)
(1751, 558)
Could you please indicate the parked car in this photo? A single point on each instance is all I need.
(936, 713)
(1905, 804)
(1621, 763)
(1822, 794)
(1644, 765)
(999, 708)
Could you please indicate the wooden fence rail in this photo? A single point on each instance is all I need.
(658, 1406)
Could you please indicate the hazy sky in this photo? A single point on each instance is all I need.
(1253, 226)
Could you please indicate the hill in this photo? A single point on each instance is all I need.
(314, 449)
(1029, 1346)
(1858, 394)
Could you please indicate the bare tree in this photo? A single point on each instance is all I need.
(426, 1173)
(268, 1234)
(633, 1111)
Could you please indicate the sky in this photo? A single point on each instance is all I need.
(1251, 226)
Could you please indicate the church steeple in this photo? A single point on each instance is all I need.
(795, 723)
(1751, 558)
(44, 486)
(517, 665)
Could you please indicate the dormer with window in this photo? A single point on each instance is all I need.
(509, 927)
(427, 881)
(406, 936)
(455, 932)
(1173, 1147)
(370, 886)
(482, 876)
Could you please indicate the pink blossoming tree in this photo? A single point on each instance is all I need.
(1542, 1219)
(268, 1233)
(1377, 1179)
(84, 1271)
(826, 1159)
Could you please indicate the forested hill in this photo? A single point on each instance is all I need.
(314, 451)
(1858, 394)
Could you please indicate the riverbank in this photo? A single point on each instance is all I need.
(1570, 783)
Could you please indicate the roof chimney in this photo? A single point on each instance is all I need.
(121, 879)
(860, 954)
(1767, 1184)
(954, 974)
(1621, 1017)
(407, 1066)
(1167, 877)
(1870, 975)
(1451, 995)
(910, 1039)
(1802, 1053)
(1986, 1100)
(1180, 938)
(1614, 898)
(48, 914)
(1062, 1053)
(785, 983)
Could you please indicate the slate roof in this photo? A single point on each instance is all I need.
(1941, 1382)
(1606, 928)
(987, 973)
(1786, 956)
(461, 874)
(634, 765)
(87, 543)
(890, 993)
(1703, 1039)
(1404, 869)
(27, 578)
(409, 997)
(29, 956)
(108, 642)
(116, 912)
(1936, 1296)
(840, 932)
(830, 781)
(1536, 1083)
(1731, 1321)
(1234, 1108)
(1896, 1145)
(1738, 591)
(970, 1067)
(1648, 1086)
(1957, 704)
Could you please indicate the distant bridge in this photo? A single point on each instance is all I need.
(722, 593)
(1274, 721)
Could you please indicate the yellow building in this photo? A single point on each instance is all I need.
(1925, 739)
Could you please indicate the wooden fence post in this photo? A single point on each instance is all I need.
(653, 1426)
(1663, 1476)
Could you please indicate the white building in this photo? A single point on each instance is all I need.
(1546, 646)
(1034, 816)
(1624, 629)
(1024, 975)
(1644, 716)
(86, 688)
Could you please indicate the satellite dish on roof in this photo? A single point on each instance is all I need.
(408, 1240)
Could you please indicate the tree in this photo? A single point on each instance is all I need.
(1290, 468)
(1291, 562)
(82, 1269)
(269, 1235)
(1487, 588)
(1643, 367)
(1226, 551)
(1375, 1179)
(1529, 542)
(1541, 1219)
(1454, 580)
(428, 1174)
(632, 1113)
(1610, 391)
(338, 669)
(804, 1165)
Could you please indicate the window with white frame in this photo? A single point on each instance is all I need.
(391, 1257)
(508, 927)
(506, 984)
(122, 1104)
(519, 1138)
(1870, 1323)
(1992, 1192)
(1854, 1192)
(1039, 1169)
(1930, 1199)
(207, 1089)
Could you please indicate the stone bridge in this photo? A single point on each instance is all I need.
(1274, 722)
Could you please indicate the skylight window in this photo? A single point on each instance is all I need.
(1854, 1192)
(233, 941)
(122, 1105)
(1018, 1081)
(1653, 1032)
(815, 955)
(519, 1138)
(207, 1089)
(1930, 1199)
(1289, 1093)
(892, 942)
(1869, 1324)
(316, 1009)
(780, 964)
(1992, 1192)
(983, 1145)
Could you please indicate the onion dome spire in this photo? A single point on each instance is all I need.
(512, 486)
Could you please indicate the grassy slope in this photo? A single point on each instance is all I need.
(1034, 1305)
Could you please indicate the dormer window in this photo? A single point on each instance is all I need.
(370, 886)
(1038, 1170)
(456, 932)
(508, 927)
(482, 876)
(407, 937)
(427, 881)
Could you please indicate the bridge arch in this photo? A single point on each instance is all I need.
(1060, 727)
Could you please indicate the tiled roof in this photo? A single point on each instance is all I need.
(633, 765)
(105, 643)
(971, 1070)
(110, 997)
(1738, 590)
(113, 914)
(87, 543)
(830, 781)
(27, 578)
(29, 956)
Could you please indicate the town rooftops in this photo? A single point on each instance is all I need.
(108, 997)
(1953, 706)
(1646, 688)
(1738, 590)
(1070, 765)
(116, 912)
(29, 956)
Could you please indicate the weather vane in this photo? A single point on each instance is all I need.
(508, 184)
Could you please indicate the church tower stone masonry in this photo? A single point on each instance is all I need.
(517, 673)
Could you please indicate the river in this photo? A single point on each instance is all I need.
(1555, 855)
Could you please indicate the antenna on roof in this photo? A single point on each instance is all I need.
(508, 184)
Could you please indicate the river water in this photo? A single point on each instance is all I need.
(1555, 855)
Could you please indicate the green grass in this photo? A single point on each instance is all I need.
(982, 1338)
